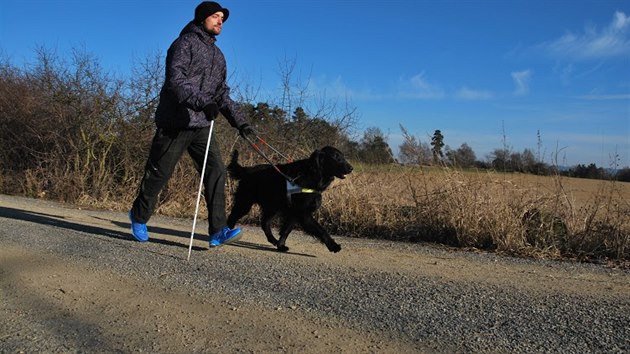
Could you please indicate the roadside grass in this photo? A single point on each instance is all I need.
(516, 214)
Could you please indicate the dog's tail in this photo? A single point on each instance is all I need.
(235, 170)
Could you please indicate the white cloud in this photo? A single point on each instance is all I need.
(420, 88)
(521, 82)
(565, 72)
(338, 89)
(593, 43)
(469, 94)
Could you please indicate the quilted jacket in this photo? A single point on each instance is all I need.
(196, 75)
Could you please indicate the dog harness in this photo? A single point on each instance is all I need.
(293, 188)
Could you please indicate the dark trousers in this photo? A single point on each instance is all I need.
(166, 150)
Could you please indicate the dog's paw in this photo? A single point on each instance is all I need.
(334, 247)
(283, 248)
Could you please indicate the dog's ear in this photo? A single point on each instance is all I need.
(316, 159)
(316, 156)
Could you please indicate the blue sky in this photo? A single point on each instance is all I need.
(478, 70)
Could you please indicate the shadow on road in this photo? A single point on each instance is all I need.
(255, 246)
(59, 221)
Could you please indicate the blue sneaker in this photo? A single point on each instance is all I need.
(138, 230)
(224, 236)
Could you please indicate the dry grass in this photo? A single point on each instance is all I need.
(510, 213)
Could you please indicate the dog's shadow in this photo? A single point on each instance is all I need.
(266, 248)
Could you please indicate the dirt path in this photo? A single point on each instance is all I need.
(58, 306)
(71, 280)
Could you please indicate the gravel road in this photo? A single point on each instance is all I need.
(72, 280)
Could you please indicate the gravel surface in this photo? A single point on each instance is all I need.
(389, 296)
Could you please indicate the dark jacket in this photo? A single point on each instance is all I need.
(195, 76)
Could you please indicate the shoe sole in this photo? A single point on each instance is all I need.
(234, 238)
(228, 241)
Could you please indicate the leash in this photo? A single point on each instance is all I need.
(272, 148)
(264, 156)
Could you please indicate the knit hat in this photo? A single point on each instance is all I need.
(207, 8)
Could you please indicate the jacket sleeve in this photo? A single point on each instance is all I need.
(178, 64)
(228, 108)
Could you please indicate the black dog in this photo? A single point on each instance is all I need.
(296, 202)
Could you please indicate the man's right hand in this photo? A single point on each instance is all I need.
(245, 129)
(211, 111)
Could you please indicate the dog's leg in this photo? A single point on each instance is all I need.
(265, 222)
(312, 227)
(287, 225)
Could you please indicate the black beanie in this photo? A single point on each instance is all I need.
(207, 8)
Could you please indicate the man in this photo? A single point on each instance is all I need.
(194, 93)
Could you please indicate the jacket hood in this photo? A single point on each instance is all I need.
(192, 27)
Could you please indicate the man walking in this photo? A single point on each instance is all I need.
(194, 93)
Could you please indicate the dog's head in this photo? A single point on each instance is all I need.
(332, 162)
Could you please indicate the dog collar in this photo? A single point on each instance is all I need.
(293, 188)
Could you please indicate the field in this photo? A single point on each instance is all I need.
(511, 213)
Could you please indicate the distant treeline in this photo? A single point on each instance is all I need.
(590, 171)
(413, 151)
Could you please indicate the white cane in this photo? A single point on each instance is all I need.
(203, 172)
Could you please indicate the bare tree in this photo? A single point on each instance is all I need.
(412, 150)
(298, 99)
(374, 148)
(464, 156)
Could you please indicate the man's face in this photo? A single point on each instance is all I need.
(213, 23)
